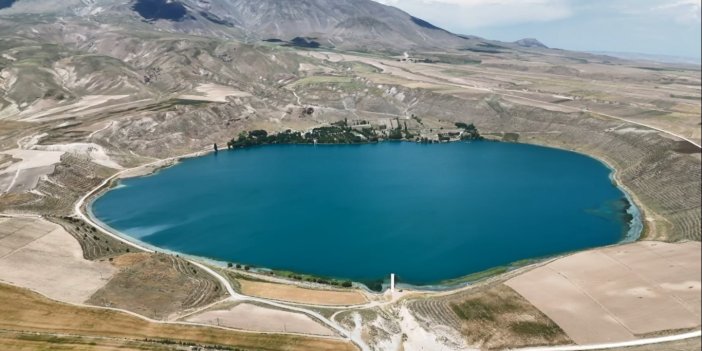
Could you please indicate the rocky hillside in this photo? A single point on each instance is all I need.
(347, 24)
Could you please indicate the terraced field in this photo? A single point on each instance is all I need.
(159, 286)
(95, 244)
(55, 195)
(437, 310)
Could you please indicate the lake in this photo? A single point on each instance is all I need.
(427, 212)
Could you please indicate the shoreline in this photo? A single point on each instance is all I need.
(637, 227)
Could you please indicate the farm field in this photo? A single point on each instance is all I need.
(51, 260)
(293, 293)
(31, 312)
(618, 293)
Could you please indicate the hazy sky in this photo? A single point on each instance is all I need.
(667, 27)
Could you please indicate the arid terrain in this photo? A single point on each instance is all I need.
(85, 99)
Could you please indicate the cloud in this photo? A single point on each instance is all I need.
(682, 11)
(670, 27)
(658, 11)
(461, 15)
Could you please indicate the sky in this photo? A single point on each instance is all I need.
(659, 27)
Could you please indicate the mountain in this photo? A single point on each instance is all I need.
(81, 57)
(342, 24)
(655, 58)
(530, 43)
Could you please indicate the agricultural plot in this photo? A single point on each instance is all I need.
(159, 286)
(251, 317)
(618, 293)
(291, 293)
(51, 261)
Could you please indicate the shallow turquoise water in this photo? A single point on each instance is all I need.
(425, 212)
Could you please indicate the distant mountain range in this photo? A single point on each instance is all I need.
(651, 57)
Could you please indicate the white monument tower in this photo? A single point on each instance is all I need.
(392, 283)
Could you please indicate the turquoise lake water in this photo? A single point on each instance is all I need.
(425, 212)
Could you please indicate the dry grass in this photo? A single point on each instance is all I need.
(11, 131)
(301, 295)
(30, 312)
(37, 341)
(157, 286)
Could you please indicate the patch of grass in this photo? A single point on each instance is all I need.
(510, 137)
(658, 69)
(186, 102)
(457, 73)
(473, 310)
(688, 97)
(322, 80)
(685, 147)
(577, 59)
(483, 309)
(364, 68)
(484, 51)
(536, 329)
(326, 82)
(34, 341)
(310, 278)
(476, 276)
(452, 59)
